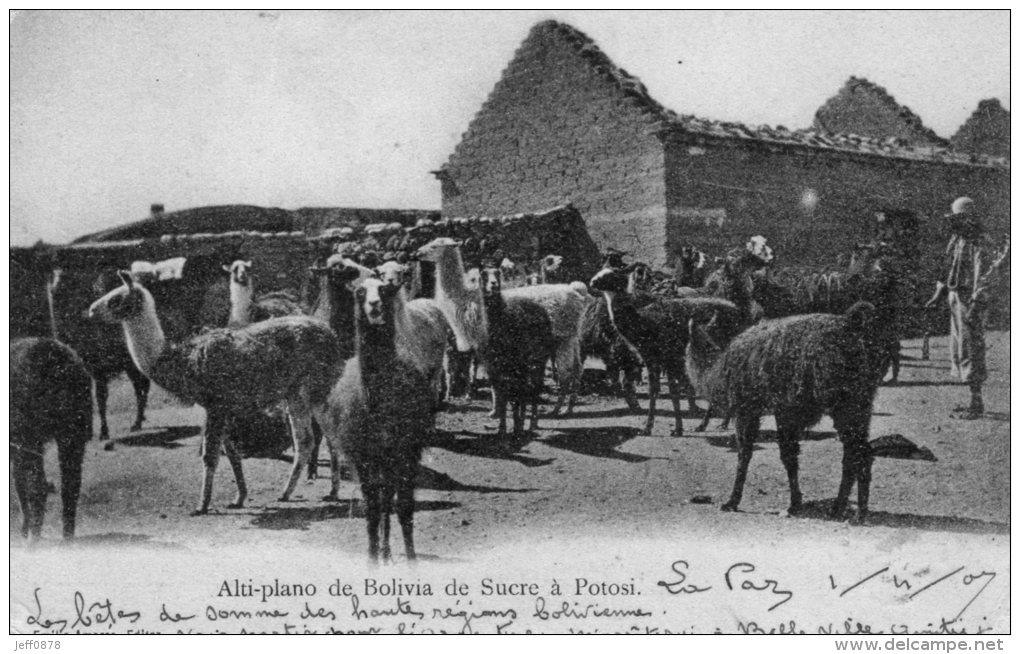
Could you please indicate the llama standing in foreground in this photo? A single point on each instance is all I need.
(798, 368)
(228, 372)
(50, 400)
(381, 416)
(334, 306)
(521, 340)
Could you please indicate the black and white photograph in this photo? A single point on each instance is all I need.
(648, 322)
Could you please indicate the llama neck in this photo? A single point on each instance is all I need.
(240, 304)
(146, 341)
(624, 315)
(336, 307)
(376, 351)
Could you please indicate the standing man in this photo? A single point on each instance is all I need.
(969, 275)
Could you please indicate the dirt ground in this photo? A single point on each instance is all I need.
(590, 474)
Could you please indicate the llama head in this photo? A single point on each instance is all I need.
(435, 249)
(611, 280)
(240, 272)
(491, 281)
(375, 300)
(340, 272)
(552, 262)
(473, 278)
(123, 303)
(758, 246)
(392, 273)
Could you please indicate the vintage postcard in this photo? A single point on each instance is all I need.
(521, 322)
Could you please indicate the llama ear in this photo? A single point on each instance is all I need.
(126, 277)
(226, 268)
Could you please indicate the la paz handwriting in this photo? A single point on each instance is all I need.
(738, 577)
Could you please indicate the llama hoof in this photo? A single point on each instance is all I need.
(136, 427)
(235, 505)
(198, 512)
(283, 498)
(104, 434)
(794, 511)
(858, 518)
(729, 506)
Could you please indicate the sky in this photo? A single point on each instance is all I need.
(113, 111)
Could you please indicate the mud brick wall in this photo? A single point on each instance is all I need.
(556, 130)
(814, 205)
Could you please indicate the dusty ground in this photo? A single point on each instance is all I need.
(589, 475)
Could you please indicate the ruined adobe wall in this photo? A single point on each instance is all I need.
(554, 130)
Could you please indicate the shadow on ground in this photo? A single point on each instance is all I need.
(729, 441)
(487, 446)
(598, 442)
(301, 518)
(819, 510)
(165, 437)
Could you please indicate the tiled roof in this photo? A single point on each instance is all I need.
(761, 134)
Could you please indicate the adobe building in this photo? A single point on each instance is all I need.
(986, 131)
(565, 124)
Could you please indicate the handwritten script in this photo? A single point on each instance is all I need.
(685, 596)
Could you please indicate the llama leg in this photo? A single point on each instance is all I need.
(559, 373)
(703, 425)
(846, 482)
(313, 457)
(851, 424)
(789, 453)
(102, 393)
(141, 385)
(299, 414)
(631, 378)
(70, 453)
(725, 424)
(494, 411)
(30, 484)
(534, 415)
(370, 494)
(747, 433)
(926, 346)
(386, 493)
(501, 414)
(894, 351)
(234, 457)
(517, 407)
(405, 508)
(653, 392)
(214, 425)
(36, 496)
(674, 396)
(864, 461)
(21, 487)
